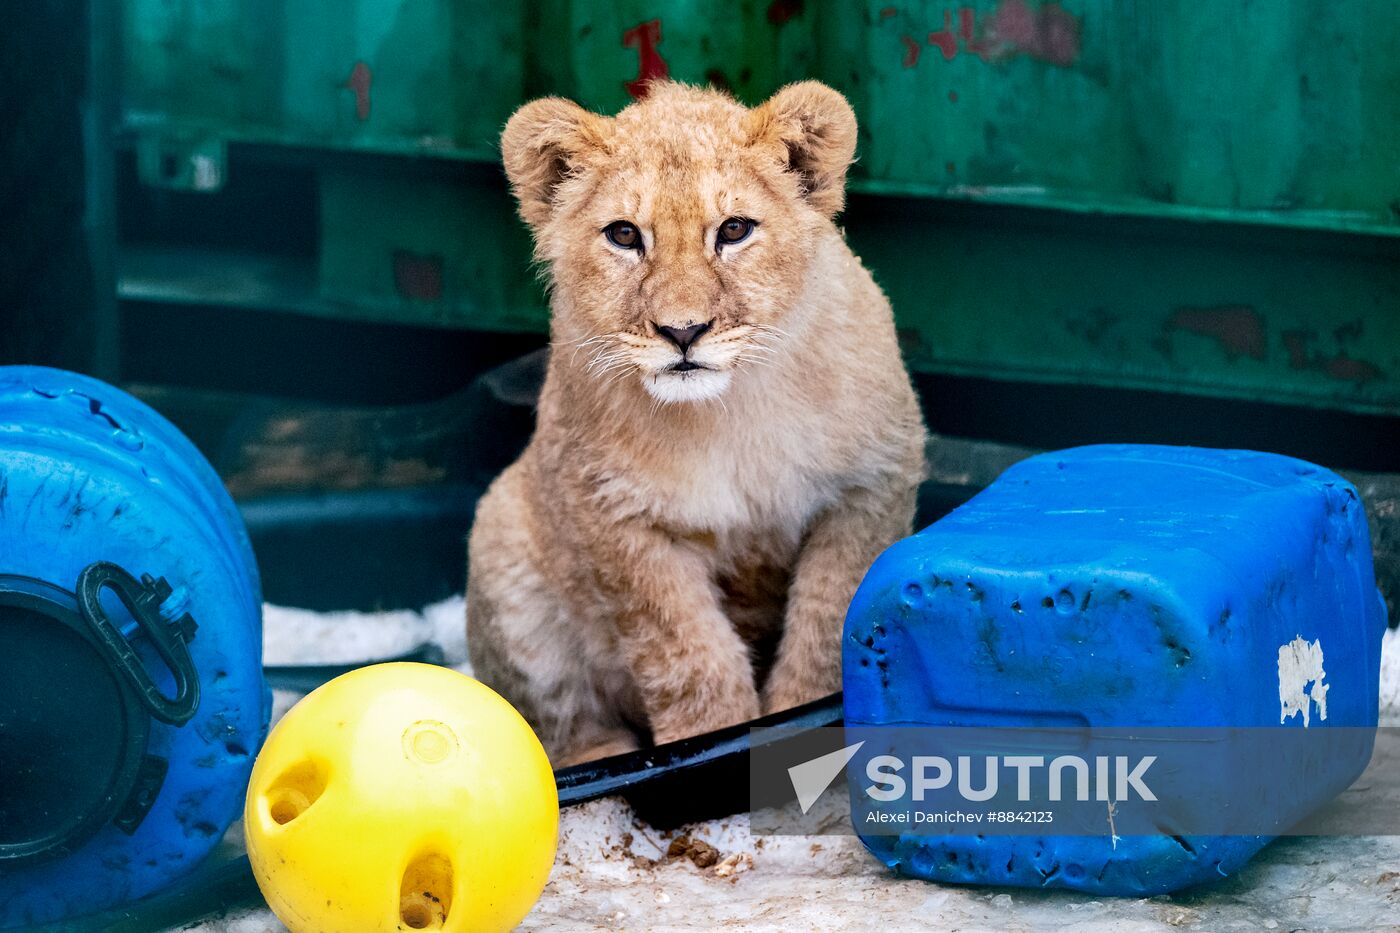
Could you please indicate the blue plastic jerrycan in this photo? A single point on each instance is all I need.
(132, 700)
(1125, 586)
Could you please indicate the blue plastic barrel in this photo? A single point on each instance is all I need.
(132, 700)
(1128, 586)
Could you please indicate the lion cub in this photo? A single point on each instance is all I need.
(727, 436)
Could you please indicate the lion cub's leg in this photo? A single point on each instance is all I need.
(563, 674)
(692, 668)
(838, 551)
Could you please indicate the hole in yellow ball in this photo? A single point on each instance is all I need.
(294, 791)
(287, 806)
(425, 894)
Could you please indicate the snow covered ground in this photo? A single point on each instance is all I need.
(615, 873)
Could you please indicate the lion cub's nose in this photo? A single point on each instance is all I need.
(683, 337)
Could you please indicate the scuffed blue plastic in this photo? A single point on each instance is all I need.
(89, 473)
(1119, 586)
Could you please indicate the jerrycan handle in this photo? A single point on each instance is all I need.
(143, 599)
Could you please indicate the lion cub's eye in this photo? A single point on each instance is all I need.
(623, 234)
(734, 230)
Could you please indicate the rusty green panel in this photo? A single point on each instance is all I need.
(1261, 314)
(436, 77)
(1275, 112)
(445, 253)
(599, 53)
(397, 76)
(1269, 112)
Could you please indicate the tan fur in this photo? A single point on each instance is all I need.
(674, 552)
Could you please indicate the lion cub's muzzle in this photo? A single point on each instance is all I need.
(693, 376)
(682, 338)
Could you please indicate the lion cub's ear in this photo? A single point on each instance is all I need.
(543, 143)
(818, 128)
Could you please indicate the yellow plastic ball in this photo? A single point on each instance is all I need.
(402, 797)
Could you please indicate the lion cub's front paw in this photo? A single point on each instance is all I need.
(619, 744)
(700, 714)
(786, 689)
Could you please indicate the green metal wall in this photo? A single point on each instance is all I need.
(1271, 111)
(1223, 178)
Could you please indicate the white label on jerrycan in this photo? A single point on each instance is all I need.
(1300, 667)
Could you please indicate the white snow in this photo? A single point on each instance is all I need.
(300, 636)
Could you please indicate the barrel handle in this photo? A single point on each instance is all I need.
(143, 600)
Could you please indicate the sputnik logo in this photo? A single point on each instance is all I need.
(811, 778)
